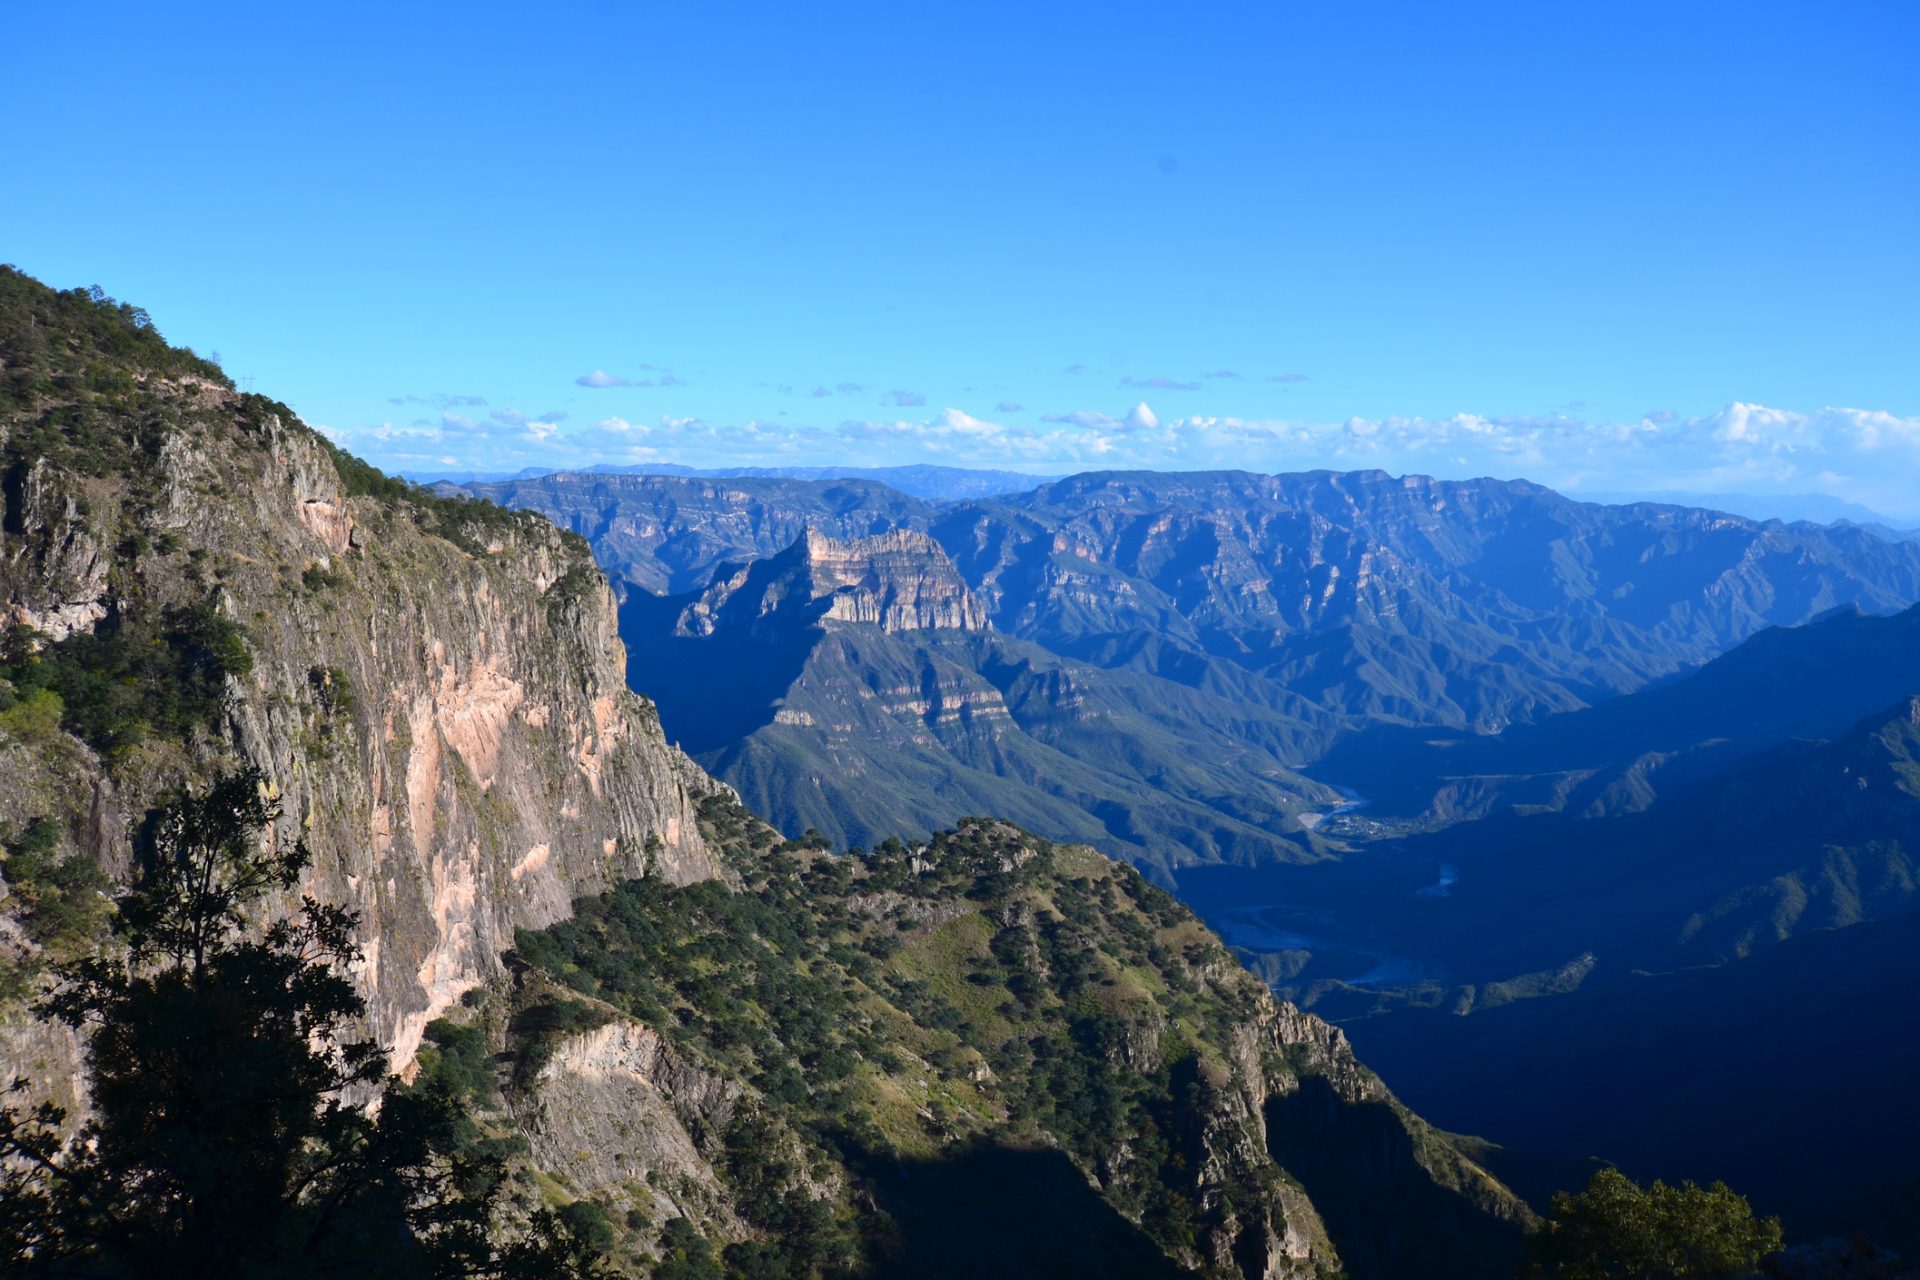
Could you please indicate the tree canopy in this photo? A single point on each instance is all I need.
(1619, 1230)
(230, 1131)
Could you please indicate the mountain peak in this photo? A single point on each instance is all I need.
(899, 580)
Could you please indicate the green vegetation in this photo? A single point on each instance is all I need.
(470, 523)
(91, 392)
(225, 1138)
(1619, 1230)
(140, 674)
(908, 1005)
(59, 343)
(60, 901)
(64, 902)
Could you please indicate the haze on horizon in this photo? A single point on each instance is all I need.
(1642, 251)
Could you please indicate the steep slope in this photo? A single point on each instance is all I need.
(1813, 835)
(1789, 1075)
(855, 688)
(1239, 627)
(986, 1053)
(1711, 987)
(1811, 681)
(194, 580)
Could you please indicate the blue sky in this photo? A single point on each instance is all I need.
(1605, 246)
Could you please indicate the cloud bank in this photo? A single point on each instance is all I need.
(1862, 455)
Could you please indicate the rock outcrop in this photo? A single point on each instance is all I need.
(436, 690)
(898, 581)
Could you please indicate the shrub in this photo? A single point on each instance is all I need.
(1619, 1230)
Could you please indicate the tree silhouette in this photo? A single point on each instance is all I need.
(229, 1133)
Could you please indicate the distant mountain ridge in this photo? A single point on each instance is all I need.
(1288, 611)
(857, 687)
(1811, 681)
(920, 480)
(1818, 508)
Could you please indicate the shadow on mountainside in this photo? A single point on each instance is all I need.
(711, 691)
(1387, 1218)
(1007, 1212)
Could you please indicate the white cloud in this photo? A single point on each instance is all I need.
(600, 378)
(1865, 456)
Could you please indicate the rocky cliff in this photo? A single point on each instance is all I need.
(193, 580)
(898, 581)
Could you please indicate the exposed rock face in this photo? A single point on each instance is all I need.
(441, 706)
(611, 1112)
(58, 576)
(899, 581)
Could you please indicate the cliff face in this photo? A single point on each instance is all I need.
(437, 696)
(855, 686)
(899, 581)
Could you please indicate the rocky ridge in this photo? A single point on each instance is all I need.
(945, 975)
(898, 581)
(436, 694)
(1291, 616)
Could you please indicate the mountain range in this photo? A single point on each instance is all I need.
(1469, 767)
(1274, 616)
(706, 1043)
(1691, 897)
(921, 480)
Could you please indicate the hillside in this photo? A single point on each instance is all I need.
(740, 1043)
(1709, 986)
(875, 1057)
(1788, 1074)
(1811, 835)
(192, 579)
(1810, 681)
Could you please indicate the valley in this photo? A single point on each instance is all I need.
(645, 1031)
(1480, 818)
